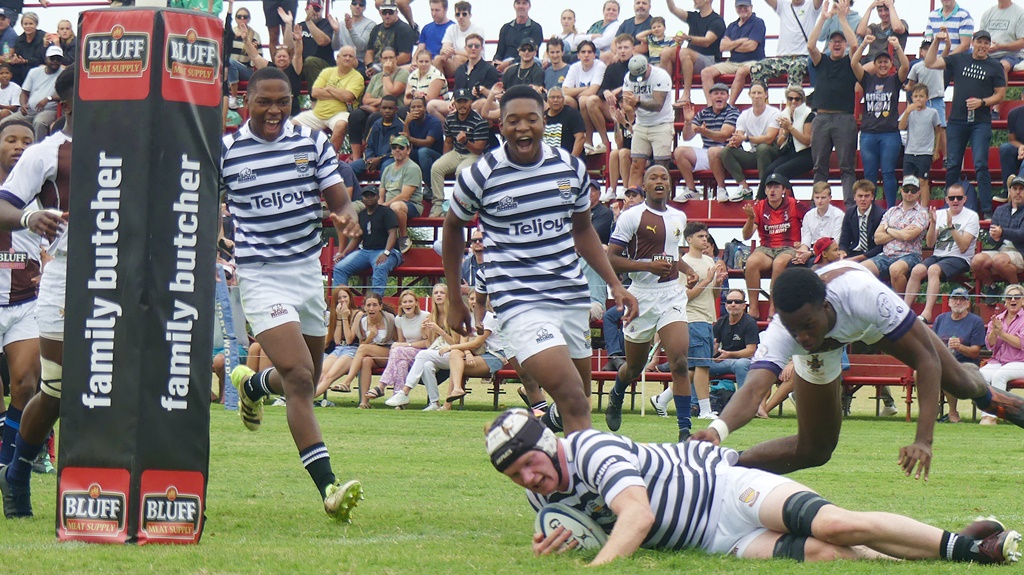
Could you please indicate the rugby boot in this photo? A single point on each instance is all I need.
(17, 502)
(1007, 406)
(999, 548)
(983, 527)
(341, 499)
(613, 414)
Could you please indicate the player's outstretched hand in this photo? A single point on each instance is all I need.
(346, 225)
(553, 543)
(626, 302)
(916, 454)
(458, 316)
(47, 223)
(706, 435)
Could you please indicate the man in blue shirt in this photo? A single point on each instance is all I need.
(964, 333)
(426, 135)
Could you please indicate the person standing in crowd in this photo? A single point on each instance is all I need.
(796, 17)
(390, 32)
(703, 50)
(316, 42)
(512, 34)
(354, 30)
(890, 26)
(647, 95)
(936, 84)
(923, 134)
(978, 84)
(1005, 21)
(453, 46)
(744, 39)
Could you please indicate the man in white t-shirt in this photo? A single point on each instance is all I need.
(752, 145)
(647, 91)
(952, 233)
(453, 45)
(10, 93)
(820, 312)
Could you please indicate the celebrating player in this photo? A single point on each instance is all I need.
(819, 312)
(279, 274)
(534, 206)
(646, 244)
(677, 495)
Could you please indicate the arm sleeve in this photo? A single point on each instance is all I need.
(327, 162)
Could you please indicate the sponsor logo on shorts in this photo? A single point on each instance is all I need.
(246, 175)
(302, 163)
(506, 203)
(749, 496)
(277, 310)
(586, 337)
(544, 335)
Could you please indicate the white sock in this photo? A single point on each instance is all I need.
(705, 405)
(665, 397)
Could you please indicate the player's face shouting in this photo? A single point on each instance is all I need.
(523, 128)
(269, 107)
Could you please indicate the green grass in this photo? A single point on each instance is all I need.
(434, 504)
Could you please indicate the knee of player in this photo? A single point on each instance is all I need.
(678, 365)
(296, 376)
(839, 526)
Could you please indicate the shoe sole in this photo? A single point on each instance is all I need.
(250, 412)
(341, 502)
(1010, 547)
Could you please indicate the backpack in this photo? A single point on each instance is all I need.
(736, 254)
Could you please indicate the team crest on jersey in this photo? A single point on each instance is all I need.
(506, 203)
(815, 364)
(246, 175)
(277, 310)
(564, 188)
(302, 163)
(749, 496)
(544, 335)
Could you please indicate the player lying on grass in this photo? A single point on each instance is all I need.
(692, 494)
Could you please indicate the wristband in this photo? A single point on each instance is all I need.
(720, 426)
(25, 216)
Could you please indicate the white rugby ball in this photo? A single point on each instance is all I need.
(585, 531)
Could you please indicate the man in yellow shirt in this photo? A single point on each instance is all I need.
(335, 91)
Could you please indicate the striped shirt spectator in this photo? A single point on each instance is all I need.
(714, 122)
(957, 21)
(274, 187)
(527, 221)
(474, 125)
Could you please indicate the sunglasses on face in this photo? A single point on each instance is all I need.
(527, 49)
(910, 191)
(460, 14)
(955, 198)
(315, 8)
(397, 147)
(473, 46)
(360, 4)
(478, 240)
(242, 17)
(735, 301)
(794, 98)
(386, 12)
(1014, 297)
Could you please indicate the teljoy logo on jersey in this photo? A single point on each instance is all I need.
(539, 226)
(116, 54)
(276, 200)
(192, 58)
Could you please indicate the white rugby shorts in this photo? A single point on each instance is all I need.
(276, 294)
(530, 332)
(660, 305)
(743, 491)
(50, 304)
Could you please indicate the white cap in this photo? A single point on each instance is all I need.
(637, 68)
(54, 50)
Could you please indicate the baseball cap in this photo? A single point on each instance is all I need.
(463, 94)
(388, 5)
(637, 67)
(515, 433)
(528, 42)
(400, 140)
(837, 33)
(370, 191)
(317, 3)
(777, 178)
(54, 50)
(1017, 181)
(958, 292)
(636, 190)
(982, 34)
(744, 3)
(912, 182)
(882, 54)
(820, 246)
(719, 87)
(9, 14)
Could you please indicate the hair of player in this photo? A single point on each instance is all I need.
(521, 92)
(263, 74)
(797, 287)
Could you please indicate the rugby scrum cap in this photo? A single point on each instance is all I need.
(515, 433)
(54, 50)
(911, 182)
(820, 246)
(1017, 181)
(637, 68)
(958, 292)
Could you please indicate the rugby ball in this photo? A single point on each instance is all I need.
(585, 531)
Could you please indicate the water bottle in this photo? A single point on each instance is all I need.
(970, 116)
(7, 50)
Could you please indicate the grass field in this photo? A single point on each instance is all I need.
(434, 505)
